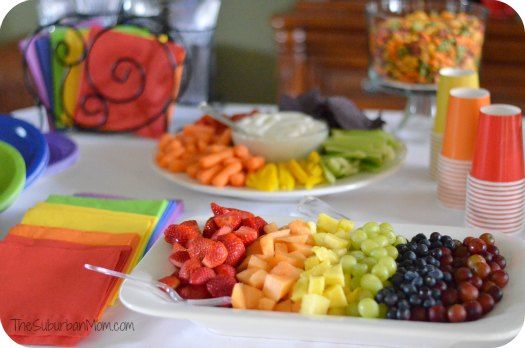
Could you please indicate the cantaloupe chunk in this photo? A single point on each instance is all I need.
(280, 257)
(310, 240)
(299, 238)
(280, 233)
(287, 270)
(266, 304)
(296, 306)
(299, 227)
(245, 275)
(254, 248)
(271, 227)
(281, 247)
(284, 306)
(297, 255)
(256, 261)
(257, 278)
(305, 249)
(267, 245)
(276, 286)
(245, 296)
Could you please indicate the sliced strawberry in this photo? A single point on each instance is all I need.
(218, 210)
(231, 220)
(209, 228)
(171, 281)
(176, 272)
(188, 267)
(215, 255)
(178, 258)
(235, 247)
(180, 233)
(194, 292)
(177, 247)
(226, 270)
(198, 247)
(201, 275)
(247, 234)
(256, 222)
(221, 232)
(221, 285)
(193, 224)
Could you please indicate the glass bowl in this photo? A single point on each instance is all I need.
(411, 40)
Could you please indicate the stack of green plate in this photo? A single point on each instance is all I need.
(12, 175)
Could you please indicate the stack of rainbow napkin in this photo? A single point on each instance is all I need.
(46, 293)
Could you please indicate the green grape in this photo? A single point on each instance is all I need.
(364, 293)
(400, 240)
(390, 236)
(368, 245)
(392, 251)
(358, 269)
(378, 253)
(371, 282)
(389, 263)
(358, 254)
(354, 283)
(368, 308)
(369, 261)
(347, 261)
(352, 311)
(381, 240)
(386, 227)
(371, 227)
(383, 309)
(381, 272)
(358, 236)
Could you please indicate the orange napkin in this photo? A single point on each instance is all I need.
(47, 296)
(82, 237)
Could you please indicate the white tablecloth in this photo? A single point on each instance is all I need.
(122, 165)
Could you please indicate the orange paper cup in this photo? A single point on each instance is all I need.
(498, 152)
(462, 122)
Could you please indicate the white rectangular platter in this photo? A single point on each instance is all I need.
(495, 329)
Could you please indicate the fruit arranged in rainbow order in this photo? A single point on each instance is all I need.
(331, 267)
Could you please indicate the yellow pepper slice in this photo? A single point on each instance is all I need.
(297, 171)
(286, 179)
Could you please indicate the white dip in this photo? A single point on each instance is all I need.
(281, 124)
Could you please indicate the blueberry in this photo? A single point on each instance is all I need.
(396, 278)
(435, 245)
(429, 302)
(429, 281)
(406, 263)
(426, 242)
(417, 282)
(402, 248)
(409, 255)
(436, 293)
(421, 262)
(414, 300)
(403, 314)
(449, 244)
(410, 275)
(392, 313)
(436, 253)
(403, 304)
(380, 297)
(425, 292)
(434, 236)
(419, 237)
(447, 277)
(408, 288)
(400, 295)
(437, 274)
(445, 239)
(422, 250)
(391, 300)
(412, 246)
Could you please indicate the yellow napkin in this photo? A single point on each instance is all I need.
(90, 219)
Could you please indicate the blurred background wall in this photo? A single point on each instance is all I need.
(244, 43)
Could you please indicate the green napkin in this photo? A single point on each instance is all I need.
(134, 206)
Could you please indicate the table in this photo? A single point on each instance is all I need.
(121, 165)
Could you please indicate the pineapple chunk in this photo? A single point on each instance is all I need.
(313, 304)
(300, 289)
(324, 254)
(320, 269)
(311, 262)
(335, 275)
(345, 225)
(316, 285)
(337, 311)
(326, 223)
(343, 234)
(313, 227)
(336, 295)
(330, 241)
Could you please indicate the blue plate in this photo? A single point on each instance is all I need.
(29, 141)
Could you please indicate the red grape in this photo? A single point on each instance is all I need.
(476, 281)
(473, 259)
(486, 301)
(467, 240)
(459, 262)
(446, 260)
(446, 251)
(456, 313)
(492, 249)
(474, 310)
(476, 246)
(467, 292)
(500, 278)
(418, 314)
(489, 257)
(461, 251)
(500, 260)
(494, 266)
(446, 268)
(495, 292)
(487, 238)
(481, 269)
(486, 285)
(441, 285)
(437, 314)
(462, 274)
(449, 296)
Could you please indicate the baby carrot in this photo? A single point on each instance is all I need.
(192, 170)
(222, 178)
(216, 148)
(238, 179)
(225, 137)
(177, 166)
(254, 163)
(241, 151)
(165, 140)
(230, 160)
(205, 176)
(215, 158)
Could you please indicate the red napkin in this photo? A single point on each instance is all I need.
(47, 296)
(126, 82)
